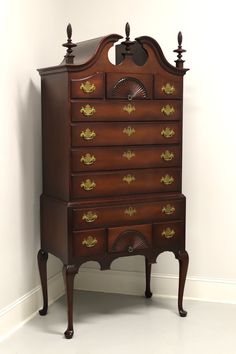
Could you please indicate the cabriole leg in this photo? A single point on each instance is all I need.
(183, 258)
(148, 266)
(69, 272)
(42, 264)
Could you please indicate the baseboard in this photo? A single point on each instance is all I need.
(133, 283)
(17, 313)
(23, 309)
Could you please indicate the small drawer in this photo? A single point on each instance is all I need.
(129, 238)
(126, 182)
(168, 86)
(117, 158)
(88, 87)
(129, 133)
(100, 110)
(89, 242)
(128, 214)
(169, 235)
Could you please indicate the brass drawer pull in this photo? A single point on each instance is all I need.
(128, 178)
(168, 89)
(87, 87)
(88, 134)
(129, 131)
(168, 110)
(90, 241)
(130, 249)
(88, 185)
(168, 209)
(168, 133)
(88, 111)
(167, 179)
(130, 211)
(128, 154)
(167, 155)
(89, 217)
(129, 108)
(168, 233)
(88, 159)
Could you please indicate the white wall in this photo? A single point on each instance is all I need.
(31, 37)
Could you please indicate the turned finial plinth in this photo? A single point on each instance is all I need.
(69, 45)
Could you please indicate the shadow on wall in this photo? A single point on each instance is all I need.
(29, 133)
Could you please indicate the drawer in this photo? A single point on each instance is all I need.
(129, 86)
(96, 110)
(169, 235)
(127, 214)
(102, 134)
(88, 243)
(129, 238)
(168, 86)
(126, 182)
(88, 87)
(117, 158)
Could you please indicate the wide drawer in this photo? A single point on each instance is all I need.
(129, 238)
(88, 243)
(95, 110)
(128, 214)
(126, 182)
(116, 158)
(102, 134)
(169, 235)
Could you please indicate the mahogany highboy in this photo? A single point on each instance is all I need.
(112, 159)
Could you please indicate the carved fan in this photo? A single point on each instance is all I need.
(130, 241)
(129, 87)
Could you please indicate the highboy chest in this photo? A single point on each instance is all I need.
(112, 158)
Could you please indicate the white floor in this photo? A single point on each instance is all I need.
(111, 324)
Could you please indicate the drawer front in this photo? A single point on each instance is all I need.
(128, 214)
(129, 86)
(116, 158)
(126, 182)
(168, 86)
(129, 238)
(88, 243)
(96, 111)
(103, 134)
(88, 87)
(169, 235)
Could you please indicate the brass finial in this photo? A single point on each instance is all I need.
(179, 62)
(69, 45)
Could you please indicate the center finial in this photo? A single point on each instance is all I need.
(127, 41)
(127, 31)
